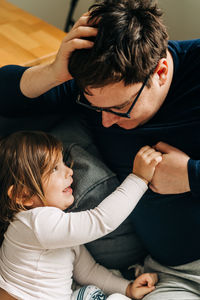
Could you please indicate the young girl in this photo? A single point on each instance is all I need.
(42, 246)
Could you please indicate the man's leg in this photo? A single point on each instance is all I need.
(175, 283)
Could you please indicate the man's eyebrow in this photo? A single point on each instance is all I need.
(118, 106)
(121, 105)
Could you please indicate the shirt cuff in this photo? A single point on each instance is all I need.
(194, 176)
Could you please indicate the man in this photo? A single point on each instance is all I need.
(146, 91)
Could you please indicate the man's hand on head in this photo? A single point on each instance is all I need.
(171, 175)
(37, 80)
(78, 38)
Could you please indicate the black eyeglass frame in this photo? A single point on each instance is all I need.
(124, 115)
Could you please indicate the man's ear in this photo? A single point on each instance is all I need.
(162, 71)
(23, 200)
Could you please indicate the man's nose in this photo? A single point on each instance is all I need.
(108, 119)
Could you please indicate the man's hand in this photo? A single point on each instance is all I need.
(171, 175)
(37, 80)
(73, 40)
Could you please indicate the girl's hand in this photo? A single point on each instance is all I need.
(71, 42)
(142, 286)
(145, 162)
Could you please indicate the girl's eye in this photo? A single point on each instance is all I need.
(69, 165)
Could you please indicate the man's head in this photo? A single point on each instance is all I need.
(129, 46)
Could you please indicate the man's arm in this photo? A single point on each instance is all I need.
(13, 103)
(43, 83)
(171, 175)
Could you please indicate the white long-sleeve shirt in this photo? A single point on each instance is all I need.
(42, 248)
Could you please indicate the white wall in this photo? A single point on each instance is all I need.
(180, 16)
(82, 7)
(52, 11)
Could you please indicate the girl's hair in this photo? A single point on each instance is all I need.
(25, 158)
(130, 42)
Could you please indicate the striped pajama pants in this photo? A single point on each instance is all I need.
(91, 292)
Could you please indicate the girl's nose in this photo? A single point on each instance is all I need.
(69, 172)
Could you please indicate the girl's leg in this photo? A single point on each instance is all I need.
(89, 292)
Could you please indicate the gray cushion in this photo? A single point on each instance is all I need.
(93, 180)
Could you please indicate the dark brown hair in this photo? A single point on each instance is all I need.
(25, 157)
(130, 42)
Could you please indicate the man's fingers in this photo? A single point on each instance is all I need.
(82, 21)
(78, 44)
(81, 31)
(164, 147)
(154, 189)
(87, 13)
(77, 39)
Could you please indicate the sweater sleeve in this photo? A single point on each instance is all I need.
(14, 103)
(87, 271)
(56, 229)
(194, 176)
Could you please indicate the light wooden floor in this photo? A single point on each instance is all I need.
(25, 39)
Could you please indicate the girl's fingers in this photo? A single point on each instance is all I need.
(154, 278)
(143, 149)
(149, 279)
(154, 154)
(148, 152)
(156, 158)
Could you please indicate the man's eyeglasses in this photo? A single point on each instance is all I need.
(109, 110)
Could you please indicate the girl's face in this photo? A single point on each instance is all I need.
(57, 188)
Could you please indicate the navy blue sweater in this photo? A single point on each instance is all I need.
(167, 224)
